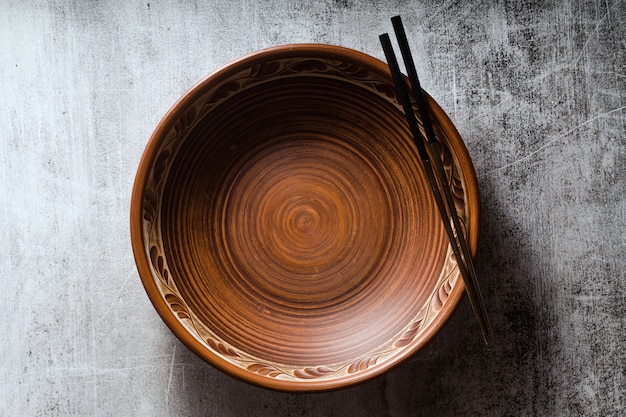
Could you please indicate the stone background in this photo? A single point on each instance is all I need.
(536, 88)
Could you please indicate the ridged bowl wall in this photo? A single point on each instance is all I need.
(282, 224)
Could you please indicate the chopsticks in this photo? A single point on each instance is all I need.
(456, 235)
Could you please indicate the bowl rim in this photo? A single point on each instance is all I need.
(150, 153)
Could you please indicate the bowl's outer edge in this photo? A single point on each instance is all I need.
(166, 123)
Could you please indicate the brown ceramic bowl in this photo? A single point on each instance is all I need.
(283, 227)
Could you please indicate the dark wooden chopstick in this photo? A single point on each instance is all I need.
(418, 94)
(456, 236)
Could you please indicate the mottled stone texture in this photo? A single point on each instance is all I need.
(538, 91)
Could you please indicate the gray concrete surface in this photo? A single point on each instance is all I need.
(538, 91)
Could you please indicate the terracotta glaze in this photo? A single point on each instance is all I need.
(283, 227)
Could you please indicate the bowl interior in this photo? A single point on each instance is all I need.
(284, 228)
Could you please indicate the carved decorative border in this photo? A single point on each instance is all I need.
(166, 283)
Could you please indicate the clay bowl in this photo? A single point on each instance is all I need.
(283, 227)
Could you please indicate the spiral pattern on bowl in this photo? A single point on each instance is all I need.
(298, 223)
